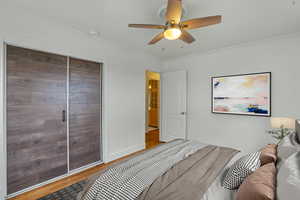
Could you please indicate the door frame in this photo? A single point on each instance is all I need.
(3, 121)
(3, 143)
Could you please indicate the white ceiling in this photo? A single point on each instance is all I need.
(243, 20)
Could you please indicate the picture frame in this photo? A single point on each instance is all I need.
(242, 94)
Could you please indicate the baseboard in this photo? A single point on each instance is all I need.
(168, 139)
(125, 152)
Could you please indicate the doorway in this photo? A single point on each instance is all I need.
(152, 109)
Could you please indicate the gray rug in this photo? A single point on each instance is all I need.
(68, 193)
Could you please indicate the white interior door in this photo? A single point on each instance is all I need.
(174, 89)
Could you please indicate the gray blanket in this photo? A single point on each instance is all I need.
(190, 178)
(162, 173)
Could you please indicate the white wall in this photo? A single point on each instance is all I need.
(281, 56)
(124, 76)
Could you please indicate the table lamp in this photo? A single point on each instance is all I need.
(281, 127)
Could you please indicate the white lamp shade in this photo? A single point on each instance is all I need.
(277, 122)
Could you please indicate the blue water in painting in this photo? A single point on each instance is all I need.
(257, 110)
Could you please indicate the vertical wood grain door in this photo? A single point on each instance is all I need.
(85, 112)
(36, 127)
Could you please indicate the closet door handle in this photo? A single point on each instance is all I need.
(63, 115)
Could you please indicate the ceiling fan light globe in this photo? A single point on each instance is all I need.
(172, 33)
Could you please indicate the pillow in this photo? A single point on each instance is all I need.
(288, 178)
(268, 154)
(288, 146)
(298, 130)
(261, 185)
(242, 168)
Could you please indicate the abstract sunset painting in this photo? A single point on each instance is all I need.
(248, 94)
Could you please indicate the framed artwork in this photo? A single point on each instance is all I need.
(243, 94)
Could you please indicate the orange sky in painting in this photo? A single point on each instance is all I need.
(250, 80)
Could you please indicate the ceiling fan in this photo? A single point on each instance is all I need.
(174, 28)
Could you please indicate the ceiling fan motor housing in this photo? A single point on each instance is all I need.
(173, 25)
(163, 10)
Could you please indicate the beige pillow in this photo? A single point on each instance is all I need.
(268, 154)
(260, 185)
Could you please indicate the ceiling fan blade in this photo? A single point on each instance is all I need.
(157, 38)
(186, 37)
(174, 11)
(201, 22)
(150, 26)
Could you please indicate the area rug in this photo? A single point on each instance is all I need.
(68, 193)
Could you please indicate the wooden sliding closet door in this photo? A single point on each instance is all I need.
(85, 112)
(36, 128)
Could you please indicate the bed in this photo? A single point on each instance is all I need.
(188, 170)
(175, 170)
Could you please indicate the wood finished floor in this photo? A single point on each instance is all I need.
(152, 139)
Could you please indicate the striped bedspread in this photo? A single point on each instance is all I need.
(129, 179)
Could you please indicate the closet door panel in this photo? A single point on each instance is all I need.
(85, 113)
(36, 134)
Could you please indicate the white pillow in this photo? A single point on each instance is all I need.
(242, 168)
